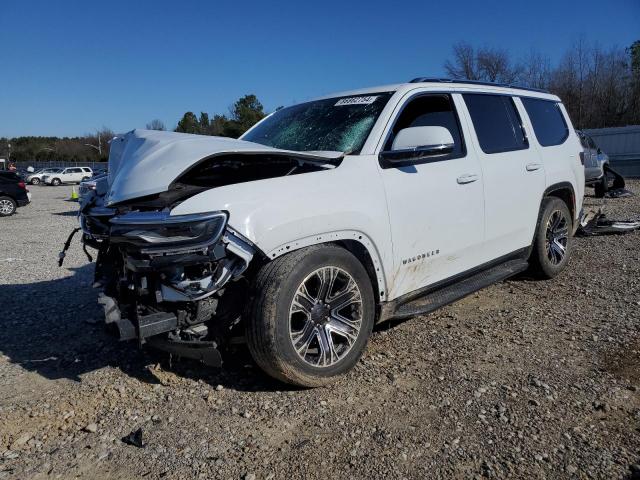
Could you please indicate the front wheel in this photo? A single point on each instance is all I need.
(55, 182)
(310, 315)
(553, 241)
(35, 181)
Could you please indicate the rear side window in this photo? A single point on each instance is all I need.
(496, 122)
(547, 120)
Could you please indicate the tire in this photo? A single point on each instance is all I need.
(274, 321)
(56, 182)
(35, 181)
(547, 257)
(601, 187)
(7, 206)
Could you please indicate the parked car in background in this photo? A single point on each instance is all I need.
(68, 175)
(13, 193)
(36, 177)
(329, 216)
(594, 164)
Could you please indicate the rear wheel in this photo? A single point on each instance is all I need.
(35, 181)
(7, 206)
(553, 241)
(310, 316)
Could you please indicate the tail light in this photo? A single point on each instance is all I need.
(581, 157)
(22, 185)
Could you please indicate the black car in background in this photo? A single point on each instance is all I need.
(13, 193)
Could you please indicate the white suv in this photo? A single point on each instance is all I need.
(329, 216)
(68, 175)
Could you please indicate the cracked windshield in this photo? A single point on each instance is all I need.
(339, 124)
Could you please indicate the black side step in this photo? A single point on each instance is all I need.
(448, 294)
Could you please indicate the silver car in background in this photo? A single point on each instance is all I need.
(594, 164)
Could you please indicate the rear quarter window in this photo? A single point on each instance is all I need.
(547, 120)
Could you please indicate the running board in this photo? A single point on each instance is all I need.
(435, 299)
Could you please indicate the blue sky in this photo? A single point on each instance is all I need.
(70, 67)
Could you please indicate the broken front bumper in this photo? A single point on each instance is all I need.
(168, 281)
(148, 329)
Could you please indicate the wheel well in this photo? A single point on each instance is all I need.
(363, 256)
(564, 193)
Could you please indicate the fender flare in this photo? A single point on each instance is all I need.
(336, 236)
(562, 186)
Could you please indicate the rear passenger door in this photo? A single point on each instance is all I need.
(435, 204)
(73, 175)
(513, 173)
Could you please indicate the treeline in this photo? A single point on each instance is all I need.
(599, 87)
(244, 113)
(87, 148)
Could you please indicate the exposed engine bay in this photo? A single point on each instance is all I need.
(178, 282)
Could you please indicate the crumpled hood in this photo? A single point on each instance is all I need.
(146, 162)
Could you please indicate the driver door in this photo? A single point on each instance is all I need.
(435, 203)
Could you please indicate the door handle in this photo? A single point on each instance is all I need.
(532, 167)
(467, 178)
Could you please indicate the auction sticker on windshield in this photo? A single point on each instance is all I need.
(356, 100)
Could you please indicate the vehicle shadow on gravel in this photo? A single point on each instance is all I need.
(68, 213)
(55, 328)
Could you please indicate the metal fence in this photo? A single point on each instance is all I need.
(622, 144)
(40, 165)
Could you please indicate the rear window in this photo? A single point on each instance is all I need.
(547, 120)
(496, 122)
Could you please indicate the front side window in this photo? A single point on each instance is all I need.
(547, 120)
(340, 124)
(426, 111)
(496, 122)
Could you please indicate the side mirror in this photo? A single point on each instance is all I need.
(599, 151)
(414, 143)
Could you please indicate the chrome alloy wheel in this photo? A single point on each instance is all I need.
(6, 207)
(325, 316)
(557, 237)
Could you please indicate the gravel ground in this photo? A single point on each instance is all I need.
(523, 380)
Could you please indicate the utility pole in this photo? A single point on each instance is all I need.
(99, 147)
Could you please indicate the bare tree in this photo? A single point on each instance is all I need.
(486, 64)
(494, 65)
(156, 124)
(535, 70)
(599, 87)
(464, 63)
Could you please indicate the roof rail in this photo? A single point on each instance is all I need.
(474, 82)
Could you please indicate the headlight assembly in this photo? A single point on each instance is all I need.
(160, 229)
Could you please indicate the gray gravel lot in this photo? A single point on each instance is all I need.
(522, 380)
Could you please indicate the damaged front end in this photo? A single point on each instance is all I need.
(173, 281)
(177, 281)
(170, 280)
